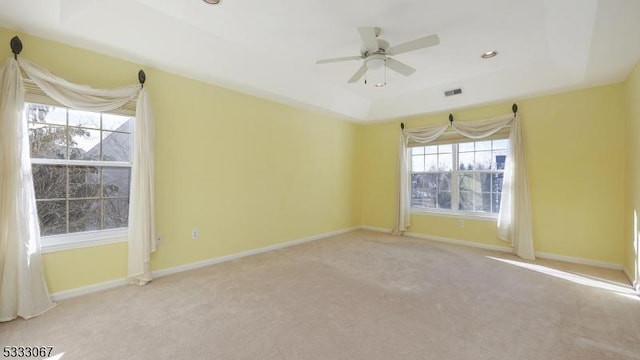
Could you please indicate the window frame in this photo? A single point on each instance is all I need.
(83, 239)
(455, 173)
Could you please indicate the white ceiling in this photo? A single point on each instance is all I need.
(269, 48)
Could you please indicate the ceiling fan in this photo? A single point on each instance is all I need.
(376, 53)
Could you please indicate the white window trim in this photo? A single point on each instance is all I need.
(78, 240)
(456, 214)
(466, 215)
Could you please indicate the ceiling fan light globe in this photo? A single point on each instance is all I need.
(375, 63)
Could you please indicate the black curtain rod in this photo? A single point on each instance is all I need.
(16, 49)
(514, 108)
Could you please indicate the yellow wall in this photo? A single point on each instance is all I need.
(249, 173)
(632, 204)
(574, 146)
(246, 172)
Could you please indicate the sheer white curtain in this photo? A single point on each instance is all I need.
(422, 135)
(514, 219)
(23, 291)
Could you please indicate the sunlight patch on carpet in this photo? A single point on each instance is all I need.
(575, 278)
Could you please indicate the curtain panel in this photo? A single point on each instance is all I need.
(514, 219)
(23, 290)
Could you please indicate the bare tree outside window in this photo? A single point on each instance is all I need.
(75, 190)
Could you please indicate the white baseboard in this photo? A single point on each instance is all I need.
(507, 249)
(373, 228)
(635, 283)
(460, 242)
(575, 260)
(67, 294)
(199, 264)
(62, 295)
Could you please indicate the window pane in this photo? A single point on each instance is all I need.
(424, 189)
(430, 182)
(462, 147)
(50, 181)
(495, 203)
(417, 150)
(417, 163)
(431, 163)
(502, 144)
(496, 183)
(483, 145)
(45, 114)
(85, 119)
(498, 159)
(468, 182)
(444, 182)
(53, 217)
(483, 160)
(116, 213)
(84, 144)
(116, 122)
(444, 162)
(445, 149)
(466, 201)
(485, 182)
(84, 215)
(484, 202)
(47, 142)
(466, 161)
(116, 181)
(433, 149)
(84, 181)
(115, 146)
(444, 200)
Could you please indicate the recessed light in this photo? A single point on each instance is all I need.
(489, 54)
(212, 2)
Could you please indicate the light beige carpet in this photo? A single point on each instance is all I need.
(361, 295)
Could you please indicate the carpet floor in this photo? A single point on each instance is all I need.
(359, 295)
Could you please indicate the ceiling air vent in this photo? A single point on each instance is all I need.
(453, 92)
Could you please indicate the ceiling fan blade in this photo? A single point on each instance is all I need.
(399, 67)
(333, 60)
(368, 36)
(358, 74)
(416, 44)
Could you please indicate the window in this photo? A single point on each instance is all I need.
(463, 178)
(81, 168)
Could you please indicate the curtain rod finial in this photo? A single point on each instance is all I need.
(142, 77)
(514, 108)
(401, 125)
(16, 46)
(451, 118)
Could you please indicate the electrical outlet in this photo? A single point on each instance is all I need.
(195, 233)
(461, 223)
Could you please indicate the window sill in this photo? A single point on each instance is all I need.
(455, 215)
(80, 240)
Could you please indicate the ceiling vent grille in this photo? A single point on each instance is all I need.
(453, 92)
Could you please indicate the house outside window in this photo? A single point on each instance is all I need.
(463, 178)
(81, 164)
